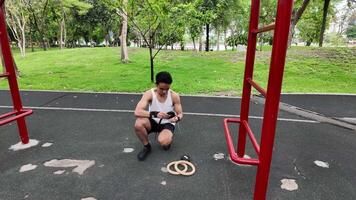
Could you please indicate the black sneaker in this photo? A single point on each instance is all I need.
(143, 154)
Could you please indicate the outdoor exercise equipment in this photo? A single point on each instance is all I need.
(188, 167)
(272, 95)
(18, 114)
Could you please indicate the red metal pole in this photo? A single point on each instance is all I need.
(10, 68)
(250, 59)
(280, 44)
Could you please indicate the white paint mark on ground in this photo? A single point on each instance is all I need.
(289, 184)
(101, 166)
(28, 167)
(321, 164)
(47, 144)
(88, 198)
(164, 169)
(128, 150)
(26, 196)
(164, 183)
(80, 165)
(59, 172)
(219, 156)
(20, 146)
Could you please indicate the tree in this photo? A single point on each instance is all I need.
(95, 26)
(158, 22)
(298, 10)
(123, 36)
(351, 28)
(310, 25)
(224, 12)
(63, 10)
(323, 23)
(38, 11)
(195, 24)
(17, 18)
(208, 8)
(348, 13)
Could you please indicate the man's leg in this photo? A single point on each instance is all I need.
(142, 127)
(165, 138)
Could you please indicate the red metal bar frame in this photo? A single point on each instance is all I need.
(266, 28)
(279, 51)
(280, 43)
(257, 87)
(233, 155)
(246, 92)
(11, 77)
(17, 116)
(254, 142)
(4, 75)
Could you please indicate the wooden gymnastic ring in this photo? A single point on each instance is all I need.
(175, 172)
(182, 172)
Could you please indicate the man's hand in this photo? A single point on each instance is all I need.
(174, 119)
(162, 115)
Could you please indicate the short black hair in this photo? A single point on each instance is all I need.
(164, 77)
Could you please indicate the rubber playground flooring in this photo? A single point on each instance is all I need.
(92, 133)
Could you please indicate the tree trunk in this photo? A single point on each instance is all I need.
(200, 43)
(123, 37)
(62, 33)
(225, 44)
(323, 25)
(23, 53)
(65, 35)
(207, 38)
(217, 40)
(31, 42)
(194, 46)
(151, 62)
(43, 41)
(296, 16)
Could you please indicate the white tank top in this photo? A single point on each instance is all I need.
(166, 106)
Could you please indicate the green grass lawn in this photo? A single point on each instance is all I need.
(324, 70)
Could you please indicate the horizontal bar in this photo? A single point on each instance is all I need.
(257, 87)
(266, 28)
(7, 114)
(252, 137)
(230, 145)
(4, 75)
(244, 161)
(18, 115)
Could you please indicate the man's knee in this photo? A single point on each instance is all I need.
(140, 124)
(165, 139)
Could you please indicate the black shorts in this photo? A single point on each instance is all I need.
(155, 127)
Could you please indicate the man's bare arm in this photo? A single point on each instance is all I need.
(177, 106)
(141, 107)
